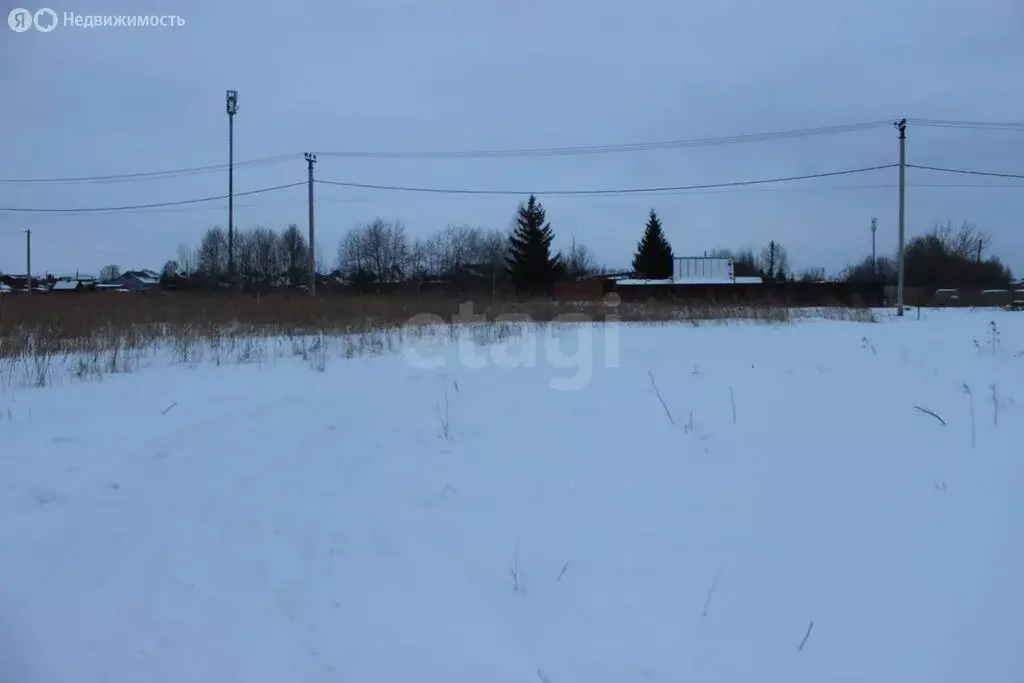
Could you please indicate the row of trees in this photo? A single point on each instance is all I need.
(380, 252)
(523, 257)
(263, 258)
(945, 257)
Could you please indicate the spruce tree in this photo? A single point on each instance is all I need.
(653, 258)
(530, 264)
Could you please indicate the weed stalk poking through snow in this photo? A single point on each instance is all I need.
(514, 570)
(711, 593)
(807, 635)
(657, 393)
(970, 401)
(442, 416)
(932, 413)
(732, 400)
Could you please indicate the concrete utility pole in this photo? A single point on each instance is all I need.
(28, 261)
(310, 160)
(232, 108)
(901, 126)
(874, 259)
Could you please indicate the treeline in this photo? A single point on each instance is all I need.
(945, 257)
(380, 254)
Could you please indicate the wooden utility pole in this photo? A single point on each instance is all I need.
(874, 259)
(232, 109)
(901, 126)
(28, 261)
(310, 160)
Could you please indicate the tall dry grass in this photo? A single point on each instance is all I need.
(92, 334)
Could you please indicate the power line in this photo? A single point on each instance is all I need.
(736, 190)
(644, 190)
(617, 148)
(149, 175)
(465, 154)
(972, 125)
(528, 152)
(105, 209)
(671, 189)
(965, 172)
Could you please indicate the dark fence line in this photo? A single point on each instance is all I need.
(789, 293)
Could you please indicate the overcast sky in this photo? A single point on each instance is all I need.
(419, 75)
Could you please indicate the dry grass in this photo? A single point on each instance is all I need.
(90, 335)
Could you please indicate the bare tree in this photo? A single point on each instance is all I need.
(110, 273)
(170, 270)
(427, 258)
(295, 255)
(774, 261)
(245, 261)
(212, 258)
(186, 260)
(266, 256)
(744, 263)
(579, 262)
(378, 250)
(966, 242)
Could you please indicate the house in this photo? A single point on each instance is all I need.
(137, 280)
(5, 289)
(72, 286)
(19, 283)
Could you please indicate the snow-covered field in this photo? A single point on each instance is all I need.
(819, 502)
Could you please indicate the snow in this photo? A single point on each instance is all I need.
(637, 281)
(370, 522)
(65, 286)
(692, 281)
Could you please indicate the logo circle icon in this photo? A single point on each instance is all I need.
(45, 27)
(19, 19)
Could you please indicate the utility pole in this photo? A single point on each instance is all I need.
(874, 260)
(310, 160)
(232, 108)
(901, 126)
(28, 261)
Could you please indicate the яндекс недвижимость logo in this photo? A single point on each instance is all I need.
(21, 20)
(45, 20)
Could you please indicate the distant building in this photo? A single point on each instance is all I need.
(696, 270)
(136, 280)
(72, 286)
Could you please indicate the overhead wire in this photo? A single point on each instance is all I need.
(615, 191)
(525, 152)
(730, 186)
(971, 125)
(989, 174)
(106, 209)
(614, 148)
(148, 175)
(464, 154)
